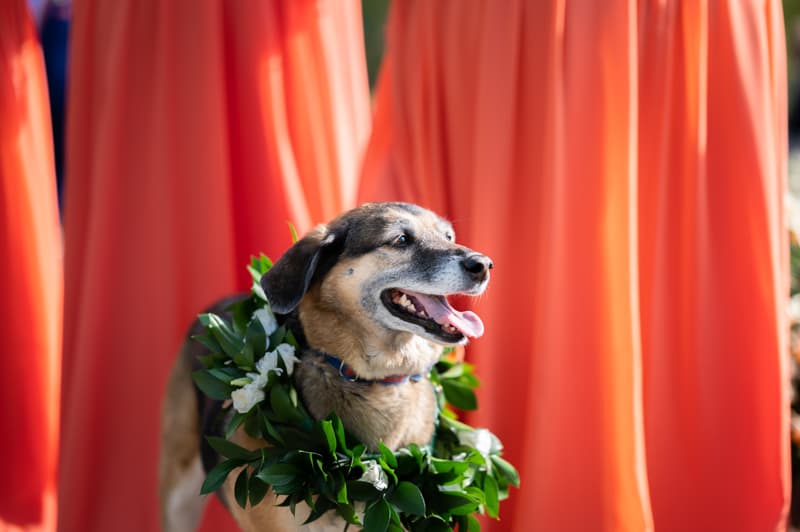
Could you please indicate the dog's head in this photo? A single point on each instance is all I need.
(384, 269)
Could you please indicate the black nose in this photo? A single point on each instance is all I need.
(477, 266)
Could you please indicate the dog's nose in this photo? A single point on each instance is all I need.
(477, 266)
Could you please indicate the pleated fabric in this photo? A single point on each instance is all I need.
(196, 130)
(713, 262)
(623, 163)
(31, 281)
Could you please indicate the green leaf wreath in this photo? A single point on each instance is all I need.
(436, 487)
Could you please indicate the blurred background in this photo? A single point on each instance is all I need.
(624, 163)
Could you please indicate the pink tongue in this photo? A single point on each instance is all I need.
(442, 313)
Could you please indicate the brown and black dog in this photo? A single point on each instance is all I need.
(368, 289)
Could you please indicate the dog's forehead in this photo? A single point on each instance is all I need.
(371, 225)
(375, 223)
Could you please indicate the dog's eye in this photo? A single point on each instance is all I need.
(401, 240)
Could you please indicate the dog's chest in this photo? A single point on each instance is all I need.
(395, 414)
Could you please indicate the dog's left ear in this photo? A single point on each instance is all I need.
(311, 257)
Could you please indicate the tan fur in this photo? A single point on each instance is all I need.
(180, 450)
(340, 314)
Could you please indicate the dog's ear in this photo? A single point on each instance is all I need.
(311, 257)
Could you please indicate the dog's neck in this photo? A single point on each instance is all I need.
(372, 354)
(395, 415)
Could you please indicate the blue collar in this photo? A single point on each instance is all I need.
(349, 374)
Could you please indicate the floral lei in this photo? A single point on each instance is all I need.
(436, 487)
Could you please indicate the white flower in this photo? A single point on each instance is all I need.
(247, 397)
(269, 362)
(375, 475)
(259, 380)
(267, 319)
(286, 351)
(481, 439)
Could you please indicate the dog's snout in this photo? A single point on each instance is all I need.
(477, 266)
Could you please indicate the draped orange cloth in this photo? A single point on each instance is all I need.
(31, 281)
(196, 130)
(623, 163)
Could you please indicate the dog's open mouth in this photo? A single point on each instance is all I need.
(433, 313)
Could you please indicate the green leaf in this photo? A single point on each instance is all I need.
(293, 231)
(226, 375)
(387, 455)
(408, 498)
(218, 474)
(434, 524)
(240, 314)
(287, 501)
(406, 465)
(321, 506)
(236, 421)
(394, 520)
(245, 358)
(506, 470)
(282, 405)
(362, 491)
(376, 518)
(229, 449)
(277, 337)
(256, 336)
(251, 424)
(445, 466)
(330, 436)
(210, 385)
(231, 344)
(278, 474)
(341, 437)
(268, 431)
(453, 373)
(254, 273)
(341, 493)
(258, 489)
(490, 494)
(473, 525)
(348, 513)
(258, 291)
(290, 339)
(208, 341)
(259, 265)
(459, 396)
(388, 469)
(456, 504)
(416, 452)
(240, 489)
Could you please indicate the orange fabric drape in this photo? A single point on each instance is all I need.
(31, 281)
(713, 262)
(196, 130)
(623, 163)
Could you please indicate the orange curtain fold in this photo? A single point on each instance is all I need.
(714, 263)
(31, 281)
(623, 163)
(195, 132)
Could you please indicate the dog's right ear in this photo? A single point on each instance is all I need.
(288, 280)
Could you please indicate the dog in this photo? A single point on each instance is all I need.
(367, 293)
